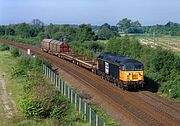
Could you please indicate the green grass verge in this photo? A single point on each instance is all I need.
(13, 87)
(177, 53)
(109, 121)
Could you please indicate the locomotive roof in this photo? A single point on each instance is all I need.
(47, 40)
(53, 41)
(118, 59)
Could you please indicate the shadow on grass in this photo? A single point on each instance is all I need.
(151, 85)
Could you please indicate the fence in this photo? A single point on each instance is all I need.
(80, 104)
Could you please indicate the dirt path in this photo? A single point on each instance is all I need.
(8, 104)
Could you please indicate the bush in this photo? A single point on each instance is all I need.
(86, 48)
(29, 106)
(172, 89)
(4, 47)
(15, 52)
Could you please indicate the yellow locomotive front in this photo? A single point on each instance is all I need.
(132, 74)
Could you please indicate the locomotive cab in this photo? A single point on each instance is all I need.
(131, 73)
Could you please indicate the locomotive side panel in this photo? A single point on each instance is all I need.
(114, 70)
(101, 65)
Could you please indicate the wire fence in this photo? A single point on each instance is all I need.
(80, 105)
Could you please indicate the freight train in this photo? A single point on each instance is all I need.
(123, 71)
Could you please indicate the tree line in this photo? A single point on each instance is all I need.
(85, 32)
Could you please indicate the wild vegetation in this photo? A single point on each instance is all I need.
(4, 47)
(87, 48)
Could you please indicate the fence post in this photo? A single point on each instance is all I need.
(51, 76)
(79, 104)
(75, 100)
(90, 115)
(62, 85)
(45, 70)
(85, 110)
(64, 89)
(96, 120)
(56, 80)
(71, 96)
(59, 84)
(68, 92)
(48, 72)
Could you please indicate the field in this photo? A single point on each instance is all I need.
(167, 42)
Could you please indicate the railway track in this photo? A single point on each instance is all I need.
(161, 100)
(133, 105)
(163, 105)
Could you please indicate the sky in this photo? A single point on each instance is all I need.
(95, 12)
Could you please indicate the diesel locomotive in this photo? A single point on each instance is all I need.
(123, 71)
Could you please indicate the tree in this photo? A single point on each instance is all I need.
(9, 31)
(2, 30)
(106, 31)
(114, 29)
(49, 29)
(85, 33)
(23, 30)
(43, 35)
(168, 29)
(68, 32)
(128, 26)
(37, 22)
(106, 25)
(124, 24)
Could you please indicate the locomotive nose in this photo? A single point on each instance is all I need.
(134, 76)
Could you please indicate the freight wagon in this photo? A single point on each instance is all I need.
(54, 47)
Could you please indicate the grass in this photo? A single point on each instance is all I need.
(103, 115)
(177, 53)
(14, 89)
(103, 41)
